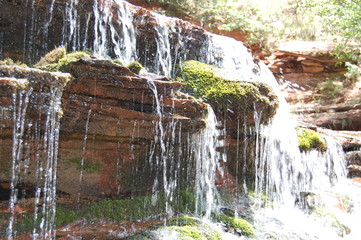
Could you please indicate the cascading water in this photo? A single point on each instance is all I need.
(282, 172)
(35, 117)
(207, 160)
(20, 102)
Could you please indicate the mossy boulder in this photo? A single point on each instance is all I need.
(227, 96)
(309, 139)
(58, 60)
(135, 67)
(238, 224)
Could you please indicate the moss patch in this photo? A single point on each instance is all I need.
(202, 81)
(309, 139)
(118, 61)
(10, 62)
(59, 60)
(135, 67)
(236, 223)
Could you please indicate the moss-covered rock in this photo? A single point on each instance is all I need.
(309, 139)
(118, 61)
(135, 67)
(236, 223)
(9, 61)
(59, 60)
(204, 81)
(52, 57)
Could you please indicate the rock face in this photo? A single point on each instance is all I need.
(103, 26)
(107, 129)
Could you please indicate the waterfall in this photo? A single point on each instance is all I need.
(20, 102)
(35, 116)
(204, 146)
(282, 172)
(119, 26)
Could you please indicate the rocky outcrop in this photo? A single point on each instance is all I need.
(103, 26)
(108, 128)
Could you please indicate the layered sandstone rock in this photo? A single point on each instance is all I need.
(108, 128)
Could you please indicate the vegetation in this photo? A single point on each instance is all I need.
(118, 61)
(203, 81)
(9, 61)
(59, 60)
(330, 89)
(135, 67)
(309, 139)
(269, 22)
(236, 223)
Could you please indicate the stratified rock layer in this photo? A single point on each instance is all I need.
(108, 127)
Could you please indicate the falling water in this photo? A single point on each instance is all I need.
(85, 139)
(20, 102)
(204, 145)
(122, 44)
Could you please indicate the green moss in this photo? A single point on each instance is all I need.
(188, 233)
(205, 229)
(309, 139)
(59, 60)
(9, 61)
(236, 223)
(203, 81)
(184, 221)
(52, 57)
(65, 216)
(118, 61)
(139, 208)
(87, 166)
(135, 67)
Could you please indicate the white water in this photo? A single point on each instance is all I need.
(20, 103)
(204, 145)
(121, 45)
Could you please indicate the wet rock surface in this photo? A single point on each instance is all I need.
(109, 120)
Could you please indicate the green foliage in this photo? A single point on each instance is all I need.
(309, 139)
(353, 74)
(203, 82)
(9, 61)
(330, 90)
(236, 223)
(59, 60)
(135, 67)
